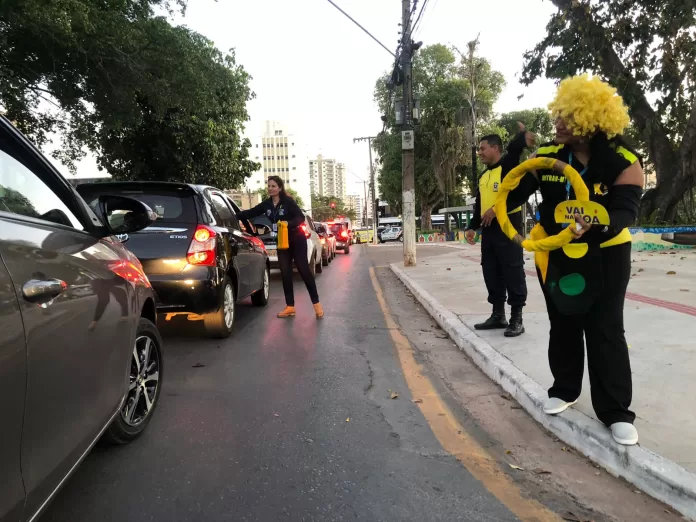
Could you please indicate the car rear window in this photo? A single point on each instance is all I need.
(170, 206)
(336, 228)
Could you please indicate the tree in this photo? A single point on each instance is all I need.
(152, 101)
(646, 50)
(327, 208)
(443, 137)
(537, 121)
(263, 192)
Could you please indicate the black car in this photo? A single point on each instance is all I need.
(197, 256)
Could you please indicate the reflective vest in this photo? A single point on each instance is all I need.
(488, 188)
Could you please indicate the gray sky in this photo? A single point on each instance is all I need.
(313, 69)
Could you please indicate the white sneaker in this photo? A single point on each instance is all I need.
(624, 433)
(554, 405)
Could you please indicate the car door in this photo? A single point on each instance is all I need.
(13, 373)
(76, 364)
(240, 247)
(257, 255)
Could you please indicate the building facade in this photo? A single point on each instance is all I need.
(280, 153)
(327, 178)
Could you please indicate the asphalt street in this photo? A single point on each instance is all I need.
(286, 420)
(369, 414)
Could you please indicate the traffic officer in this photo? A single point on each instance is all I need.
(501, 259)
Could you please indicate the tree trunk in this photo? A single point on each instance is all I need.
(426, 217)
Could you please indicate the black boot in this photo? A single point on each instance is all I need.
(516, 327)
(496, 321)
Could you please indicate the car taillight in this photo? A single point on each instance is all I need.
(306, 231)
(344, 234)
(258, 242)
(202, 249)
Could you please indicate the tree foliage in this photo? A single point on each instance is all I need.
(327, 208)
(151, 100)
(448, 84)
(646, 50)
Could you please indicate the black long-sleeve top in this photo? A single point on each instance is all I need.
(286, 210)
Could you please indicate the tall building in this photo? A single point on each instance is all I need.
(327, 178)
(280, 153)
(356, 203)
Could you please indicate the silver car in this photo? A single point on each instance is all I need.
(80, 355)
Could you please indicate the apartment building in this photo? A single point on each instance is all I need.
(327, 177)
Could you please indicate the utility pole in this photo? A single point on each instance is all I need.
(369, 139)
(365, 209)
(407, 140)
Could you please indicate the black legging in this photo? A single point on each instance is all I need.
(607, 353)
(298, 252)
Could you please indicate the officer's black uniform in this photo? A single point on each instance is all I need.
(501, 259)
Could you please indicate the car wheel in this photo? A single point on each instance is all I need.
(143, 386)
(219, 324)
(401, 239)
(313, 267)
(347, 250)
(325, 260)
(260, 298)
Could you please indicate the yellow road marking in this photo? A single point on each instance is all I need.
(452, 435)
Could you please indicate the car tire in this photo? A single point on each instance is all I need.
(313, 267)
(260, 298)
(125, 427)
(325, 260)
(401, 238)
(347, 250)
(219, 324)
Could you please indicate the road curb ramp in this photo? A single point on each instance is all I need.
(658, 476)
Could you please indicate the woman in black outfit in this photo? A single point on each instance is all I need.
(281, 207)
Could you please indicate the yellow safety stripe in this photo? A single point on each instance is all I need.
(623, 151)
(622, 237)
(549, 149)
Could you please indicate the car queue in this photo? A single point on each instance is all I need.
(86, 275)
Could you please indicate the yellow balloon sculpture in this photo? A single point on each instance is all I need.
(544, 243)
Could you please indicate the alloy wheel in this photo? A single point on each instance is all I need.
(143, 381)
(228, 305)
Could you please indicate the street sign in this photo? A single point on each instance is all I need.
(407, 140)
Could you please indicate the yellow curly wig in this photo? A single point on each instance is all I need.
(588, 105)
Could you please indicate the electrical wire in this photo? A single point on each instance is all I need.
(420, 15)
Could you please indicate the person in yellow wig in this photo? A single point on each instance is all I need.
(585, 282)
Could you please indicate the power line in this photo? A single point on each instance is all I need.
(361, 27)
(420, 15)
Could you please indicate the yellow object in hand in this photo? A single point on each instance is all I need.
(283, 235)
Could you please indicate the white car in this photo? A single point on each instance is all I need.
(314, 248)
(393, 234)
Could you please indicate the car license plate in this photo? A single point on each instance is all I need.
(272, 252)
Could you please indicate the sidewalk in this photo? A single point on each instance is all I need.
(660, 314)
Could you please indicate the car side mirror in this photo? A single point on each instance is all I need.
(123, 215)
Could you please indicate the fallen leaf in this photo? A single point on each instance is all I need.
(417, 401)
(276, 414)
(633, 275)
(506, 396)
(348, 419)
(564, 448)
(541, 471)
(671, 272)
(394, 395)
(509, 452)
(516, 407)
(515, 467)
(684, 290)
(449, 269)
(198, 365)
(682, 258)
(637, 492)
(668, 511)
(309, 441)
(572, 517)
(641, 270)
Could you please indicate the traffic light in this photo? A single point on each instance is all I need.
(333, 205)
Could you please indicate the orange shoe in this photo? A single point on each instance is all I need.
(288, 312)
(318, 310)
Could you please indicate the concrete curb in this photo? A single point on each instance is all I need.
(659, 477)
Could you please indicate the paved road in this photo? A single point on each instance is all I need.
(286, 420)
(292, 420)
